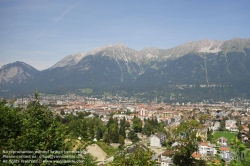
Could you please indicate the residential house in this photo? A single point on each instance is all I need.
(157, 139)
(222, 141)
(169, 121)
(231, 125)
(244, 136)
(196, 155)
(166, 158)
(216, 126)
(207, 149)
(225, 154)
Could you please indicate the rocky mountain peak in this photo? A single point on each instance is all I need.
(236, 45)
(16, 72)
(69, 60)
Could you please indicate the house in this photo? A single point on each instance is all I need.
(222, 141)
(166, 158)
(196, 155)
(231, 125)
(169, 121)
(205, 148)
(157, 139)
(225, 154)
(216, 126)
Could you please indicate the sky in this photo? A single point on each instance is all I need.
(42, 32)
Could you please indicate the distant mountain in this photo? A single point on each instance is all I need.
(70, 60)
(16, 72)
(195, 70)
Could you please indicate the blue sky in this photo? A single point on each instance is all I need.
(42, 32)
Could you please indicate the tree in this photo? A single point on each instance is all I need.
(33, 129)
(111, 121)
(91, 129)
(122, 129)
(210, 135)
(62, 112)
(137, 125)
(121, 140)
(237, 147)
(203, 118)
(114, 134)
(106, 138)
(160, 127)
(133, 136)
(185, 136)
(77, 127)
(10, 118)
(99, 133)
(141, 156)
(39, 130)
(147, 129)
(127, 124)
(199, 139)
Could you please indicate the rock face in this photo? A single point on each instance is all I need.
(16, 72)
(117, 67)
(70, 60)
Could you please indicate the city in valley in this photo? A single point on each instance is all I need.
(221, 132)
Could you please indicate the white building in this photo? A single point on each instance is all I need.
(231, 125)
(222, 141)
(157, 139)
(225, 153)
(216, 126)
(143, 112)
(165, 158)
(205, 148)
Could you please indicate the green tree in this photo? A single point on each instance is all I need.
(11, 122)
(111, 121)
(203, 118)
(121, 140)
(141, 157)
(122, 129)
(160, 127)
(114, 133)
(106, 138)
(34, 129)
(133, 136)
(147, 129)
(210, 135)
(62, 112)
(127, 124)
(91, 129)
(137, 124)
(77, 127)
(237, 147)
(99, 133)
(185, 136)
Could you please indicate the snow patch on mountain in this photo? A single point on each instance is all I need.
(209, 50)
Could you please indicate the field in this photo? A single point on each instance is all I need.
(227, 135)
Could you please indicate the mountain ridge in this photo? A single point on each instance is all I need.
(201, 46)
(113, 68)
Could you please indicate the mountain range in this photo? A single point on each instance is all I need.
(206, 69)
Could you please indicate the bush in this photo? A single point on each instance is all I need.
(247, 144)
